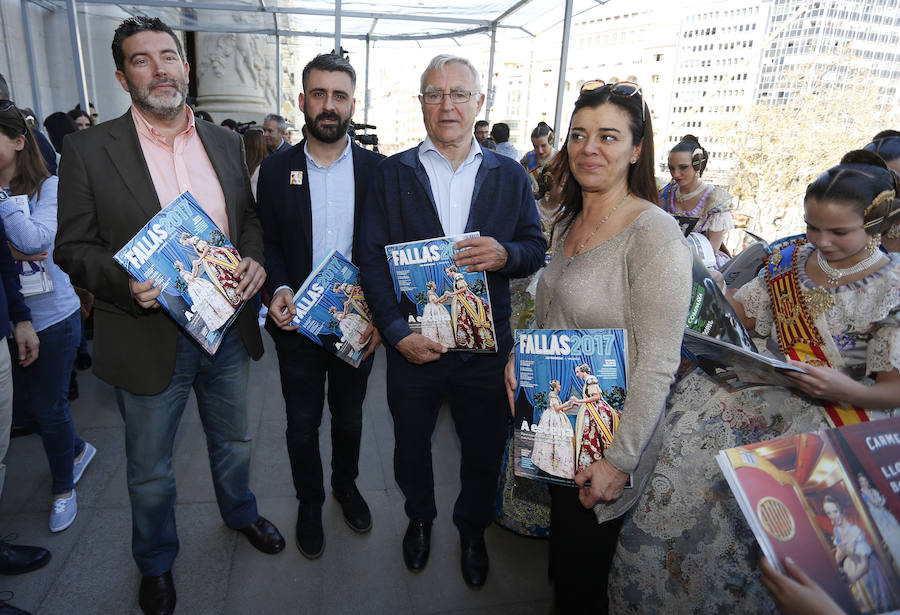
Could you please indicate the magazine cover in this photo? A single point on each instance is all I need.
(193, 262)
(331, 308)
(830, 501)
(711, 314)
(439, 300)
(570, 394)
(748, 366)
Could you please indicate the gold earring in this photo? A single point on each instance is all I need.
(873, 243)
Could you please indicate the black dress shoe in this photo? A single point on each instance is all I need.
(417, 544)
(18, 559)
(356, 511)
(264, 536)
(474, 561)
(157, 594)
(310, 535)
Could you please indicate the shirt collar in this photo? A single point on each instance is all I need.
(346, 153)
(474, 150)
(146, 128)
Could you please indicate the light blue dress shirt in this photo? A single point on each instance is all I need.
(332, 193)
(452, 190)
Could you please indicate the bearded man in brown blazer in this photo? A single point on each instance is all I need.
(113, 179)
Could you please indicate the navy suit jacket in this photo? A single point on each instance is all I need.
(401, 207)
(286, 214)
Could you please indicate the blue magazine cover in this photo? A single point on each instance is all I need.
(193, 261)
(441, 301)
(569, 398)
(331, 308)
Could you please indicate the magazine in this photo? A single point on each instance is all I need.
(830, 501)
(746, 264)
(441, 301)
(331, 309)
(570, 394)
(33, 275)
(193, 262)
(749, 366)
(686, 224)
(711, 314)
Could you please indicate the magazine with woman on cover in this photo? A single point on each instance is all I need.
(332, 311)
(569, 398)
(193, 262)
(439, 300)
(831, 502)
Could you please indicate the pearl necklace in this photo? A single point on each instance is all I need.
(687, 197)
(834, 275)
(597, 228)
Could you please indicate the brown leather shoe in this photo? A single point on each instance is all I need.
(264, 536)
(157, 594)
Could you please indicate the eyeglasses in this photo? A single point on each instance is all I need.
(6, 105)
(625, 89)
(457, 97)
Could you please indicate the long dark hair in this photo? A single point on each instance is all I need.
(641, 176)
(254, 148)
(863, 182)
(30, 168)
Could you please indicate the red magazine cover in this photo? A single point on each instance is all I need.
(831, 501)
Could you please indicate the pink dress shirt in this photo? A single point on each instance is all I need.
(182, 166)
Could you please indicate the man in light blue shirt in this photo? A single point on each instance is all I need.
(309, 200)
(500, 134)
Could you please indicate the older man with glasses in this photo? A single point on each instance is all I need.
(448, 185)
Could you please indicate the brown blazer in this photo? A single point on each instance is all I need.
(106, 195)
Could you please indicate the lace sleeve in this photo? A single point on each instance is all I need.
(718, 220)
(883, 352)
(754, 296)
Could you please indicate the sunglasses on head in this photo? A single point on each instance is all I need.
(6, 105)
(625, 89)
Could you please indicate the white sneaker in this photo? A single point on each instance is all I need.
(82, 462)
(63, 512)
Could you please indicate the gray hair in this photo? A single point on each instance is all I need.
(274, 117)
(439, 62)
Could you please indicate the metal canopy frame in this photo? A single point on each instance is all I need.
(467, 27)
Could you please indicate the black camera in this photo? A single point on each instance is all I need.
(243, 127)
(366, 138)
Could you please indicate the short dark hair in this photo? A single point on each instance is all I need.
(229, 123)
(4, 88)
(500, 132)
(481, 123)
(329, 62)
(134, 25)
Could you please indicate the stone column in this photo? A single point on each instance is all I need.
(235, 76)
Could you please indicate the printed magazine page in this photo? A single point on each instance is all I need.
(331, 308)
(439, 300)
(749, 366)
(570, 395)
(193, 262)
(830, 501)
(746, 265)
(711, 314)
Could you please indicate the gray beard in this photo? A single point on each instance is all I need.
(154, 109)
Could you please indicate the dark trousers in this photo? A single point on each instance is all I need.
(304, 369)
(480, 411)
(581, 553)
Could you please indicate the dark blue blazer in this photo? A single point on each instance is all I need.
(401, 207)
(286, 215)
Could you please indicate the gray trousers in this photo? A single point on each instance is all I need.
(6, 404)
